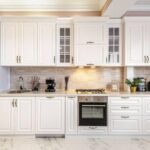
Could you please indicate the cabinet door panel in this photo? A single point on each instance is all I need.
(25, 116)
(125, 124)
(90, 33)
(146, 124)
(28, 43)
(50, 115)
(89, 54)
(71, 115)
(9, 43)
(46, 43)
(6, 116)
(146, 106)
(134, 44)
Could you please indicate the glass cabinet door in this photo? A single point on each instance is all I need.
(114, 46)
(65, 45)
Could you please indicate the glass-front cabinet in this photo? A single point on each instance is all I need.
(113, 55)
(65, 44)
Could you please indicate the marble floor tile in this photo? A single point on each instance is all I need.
(106, 143)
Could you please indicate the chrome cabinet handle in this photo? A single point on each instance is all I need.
(19, 59)
(89, 42)
(106, 59)
(125, 117)
(50, 97)
(16, 104)
(54, 59)
(90, 64)
(147, 59)
(124, 107)
(125, 97)
(71, 97)
(13, 103)
(92, 127)
(72, 60)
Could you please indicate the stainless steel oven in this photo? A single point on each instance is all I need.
(92, 110)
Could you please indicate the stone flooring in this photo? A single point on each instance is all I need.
(102, 143)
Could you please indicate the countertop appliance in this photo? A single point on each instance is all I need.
(90, 91)
(92, 110)
(51, 84)
(142, 86)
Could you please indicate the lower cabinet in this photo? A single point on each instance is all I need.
(146, 124)
(71, 115)
(125, 125)
(50, 115)
(17, 115)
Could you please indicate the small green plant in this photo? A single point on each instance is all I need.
(134, 83)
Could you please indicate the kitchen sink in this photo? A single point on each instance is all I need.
(18, 91)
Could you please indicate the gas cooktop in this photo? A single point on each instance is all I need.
(90, 91)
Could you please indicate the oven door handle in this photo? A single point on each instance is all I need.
(94, 105)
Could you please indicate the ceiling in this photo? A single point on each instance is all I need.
(141, 5)
(51, 5)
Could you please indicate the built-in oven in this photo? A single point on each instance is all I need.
(92, 110)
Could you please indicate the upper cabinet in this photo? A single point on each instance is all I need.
(137, 45)
(27, 42)
(90, 35)
(19, 43)
(65, 55)
(113, 52)
(46, 43)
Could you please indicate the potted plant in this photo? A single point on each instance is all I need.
(133, 84)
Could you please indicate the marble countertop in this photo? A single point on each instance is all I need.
(70, 93)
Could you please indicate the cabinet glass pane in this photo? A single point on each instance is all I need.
(64, 45)
(113, 47)
(62, 32)
(67, 31)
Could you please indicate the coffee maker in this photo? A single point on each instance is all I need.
(51, 84)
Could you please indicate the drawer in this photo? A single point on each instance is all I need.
(125, 124)
(146, 124)
(125, 110)
(84, 130)
(146, 106)
(125, 101)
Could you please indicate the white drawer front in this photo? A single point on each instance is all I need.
(92, 130)
(125, 110)
(124, 101)
(125, 125)
(146, 124)
(146, 106)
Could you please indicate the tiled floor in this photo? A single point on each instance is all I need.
(106, 143)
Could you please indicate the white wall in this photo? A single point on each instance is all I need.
(4, 78)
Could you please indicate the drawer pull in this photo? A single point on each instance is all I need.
(124, 107)
(71, 97)
(50, 97)
(125, 97)
(125, 117)
(92, 127)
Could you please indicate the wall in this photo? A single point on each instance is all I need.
(79, 77)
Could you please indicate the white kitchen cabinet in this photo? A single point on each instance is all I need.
(90, 33)
(17, 115)
(9, 43)
(71, 115)
(125, 124)
(113, 52)
(46, 43)
(65, 55)
(19, 43)
(6, 116)
(24, 115)
(146, 106)
(27, 43)
(88, 55)
(146, 125)
(90, 38)
(137, 46)
(50, 118)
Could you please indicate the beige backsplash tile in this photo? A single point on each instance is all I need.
(79, 77)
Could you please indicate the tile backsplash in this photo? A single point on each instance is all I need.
(78, 77)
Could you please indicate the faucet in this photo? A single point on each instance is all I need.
(21, 83)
